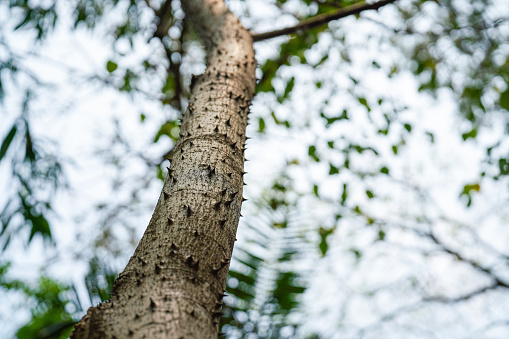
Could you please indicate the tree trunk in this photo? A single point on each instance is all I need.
(173, 285)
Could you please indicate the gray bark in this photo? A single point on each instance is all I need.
(173, 285)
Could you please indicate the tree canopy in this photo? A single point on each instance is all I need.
(378, 173)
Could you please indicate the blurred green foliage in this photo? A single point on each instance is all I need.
(462, 51)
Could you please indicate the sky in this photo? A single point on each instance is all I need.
(79, 114)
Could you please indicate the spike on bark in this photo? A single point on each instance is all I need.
(189, 212)
(211, 170)
(191, 262)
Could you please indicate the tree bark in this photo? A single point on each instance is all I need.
(173, 285)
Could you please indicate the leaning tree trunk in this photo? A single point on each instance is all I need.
(173, 285)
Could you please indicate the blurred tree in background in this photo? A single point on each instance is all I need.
(380, 215)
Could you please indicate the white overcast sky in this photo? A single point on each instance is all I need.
(442, 167)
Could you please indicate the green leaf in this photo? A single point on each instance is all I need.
(315, 190)
(285, 123)
(169, 86)
(169, 128)
(395, 149)
(333, 169)
(384, 170)
(50, 315)
(344, 195)
(381, 234)
(471, 187)
(470, 134)
(370, 194)
(364, 103)
(29, 149)
(7, 141)
(324, 234)
(289, 86)
(261, 125)
(504, 99)
(39, 226)
(111, 66)
(312, 153)
(330, 121)
(503, 164)
(408, 127)
(287, 290)
(467, 191)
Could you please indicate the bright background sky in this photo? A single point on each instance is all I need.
(79, 116)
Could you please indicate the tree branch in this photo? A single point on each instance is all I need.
(416, 305)
(468, 296)
(321, 19)
(164, 17)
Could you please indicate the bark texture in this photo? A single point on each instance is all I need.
(173, 285)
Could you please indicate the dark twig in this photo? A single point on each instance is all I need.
(321, 19)
(164, 15)
(416, 305)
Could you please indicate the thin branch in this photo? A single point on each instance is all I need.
(321, 19)
(446, 300)
(472, 263)
(427, 300)
(164, 16)
(498, 282)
